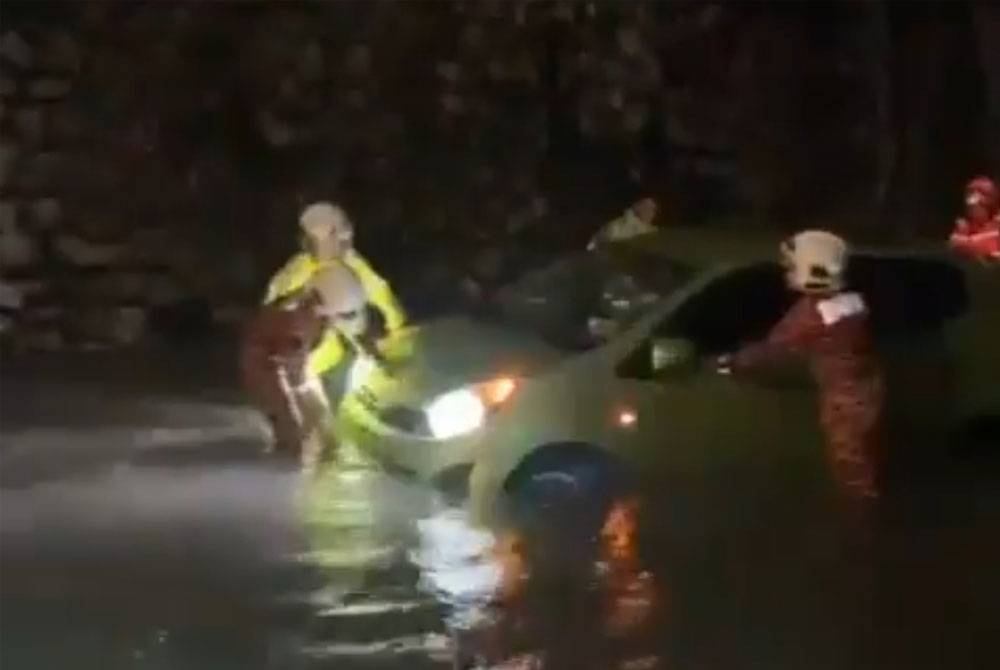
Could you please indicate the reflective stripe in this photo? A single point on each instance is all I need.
(984, 235)
(840, 307)
(976, 237)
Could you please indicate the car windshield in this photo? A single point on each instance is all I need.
(581, 300)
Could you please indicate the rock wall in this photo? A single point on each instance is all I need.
(154, 155)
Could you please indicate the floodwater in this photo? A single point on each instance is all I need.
(140, 529)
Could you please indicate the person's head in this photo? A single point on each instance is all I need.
(646, 209)
(327, 232)
(982, 199)
(814, 261)
(340, 298)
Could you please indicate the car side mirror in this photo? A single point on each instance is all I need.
(671, 356)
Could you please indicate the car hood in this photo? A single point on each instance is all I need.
(440, 355)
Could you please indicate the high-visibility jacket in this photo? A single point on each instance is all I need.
(301, 268)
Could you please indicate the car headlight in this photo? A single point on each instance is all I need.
(464, 410)
(455, 413)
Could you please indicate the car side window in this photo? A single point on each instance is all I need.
(738, 307)
(908, 296)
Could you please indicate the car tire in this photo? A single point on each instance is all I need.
(453, 485)
(558, 498)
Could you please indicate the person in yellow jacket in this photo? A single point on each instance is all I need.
(327, 237)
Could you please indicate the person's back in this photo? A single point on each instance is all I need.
(273, 355)
(276, 350)
(834, 333)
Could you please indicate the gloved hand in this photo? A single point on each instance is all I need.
(368, 345)
(375, 324)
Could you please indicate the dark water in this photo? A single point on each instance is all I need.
(140, 530)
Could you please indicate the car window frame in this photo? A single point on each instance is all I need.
(644, 331)
(626, 344)
(691, 274)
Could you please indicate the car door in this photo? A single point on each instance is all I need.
(974, 336)
(916, 301)
(690, 421)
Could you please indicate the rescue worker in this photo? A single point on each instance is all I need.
(328, 236)
(977, 234)
(275, 351)
(829, 325)
(639, 219)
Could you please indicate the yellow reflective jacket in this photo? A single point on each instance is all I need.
(300, 269)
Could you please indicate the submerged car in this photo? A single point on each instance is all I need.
(600, 364)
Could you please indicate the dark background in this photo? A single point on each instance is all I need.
(156, 154)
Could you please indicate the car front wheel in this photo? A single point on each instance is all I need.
(558, 500)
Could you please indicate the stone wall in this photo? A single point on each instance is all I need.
(66, 278)
(100, 238)
(154, 155)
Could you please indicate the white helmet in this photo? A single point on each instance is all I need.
(342, 298)
(322, 219)
(815, 261)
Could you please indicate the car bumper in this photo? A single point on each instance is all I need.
(413, 455)
(485, 489)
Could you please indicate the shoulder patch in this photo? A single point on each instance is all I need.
(840, 307)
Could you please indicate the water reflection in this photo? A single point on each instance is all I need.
(355, 520)
(473, 598)
(504, 613)
(631, 589)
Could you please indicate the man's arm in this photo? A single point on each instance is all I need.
(378, 292)
(800, 326)
(606, 233)
(292, 276)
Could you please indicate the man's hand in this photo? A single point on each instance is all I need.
(367, 345)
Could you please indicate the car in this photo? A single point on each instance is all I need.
(597, 367)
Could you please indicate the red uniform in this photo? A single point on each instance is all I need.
(833, 331)
(273, 355)
(977, 234)
(978, 240)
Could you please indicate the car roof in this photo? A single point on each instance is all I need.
(732, 245)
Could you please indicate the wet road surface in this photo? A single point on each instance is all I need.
(140, 529)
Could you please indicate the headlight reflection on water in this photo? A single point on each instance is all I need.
(456, 565)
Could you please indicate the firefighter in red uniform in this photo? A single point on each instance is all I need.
(830, 326)
(274, 358)
(977, 234)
